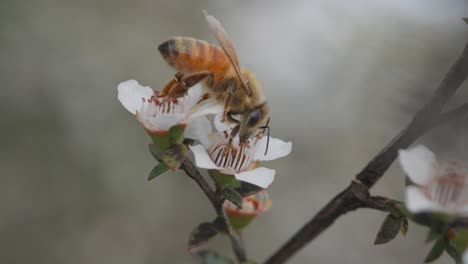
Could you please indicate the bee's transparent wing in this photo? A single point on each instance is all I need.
(226, 44)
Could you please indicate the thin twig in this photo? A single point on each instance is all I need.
(217, 203)
(347, 200)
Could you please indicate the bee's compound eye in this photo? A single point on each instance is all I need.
(254, 117)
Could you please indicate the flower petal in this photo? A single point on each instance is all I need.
(199, 128)
(208, 107)
(194, 94)
(276, 149)
(131, 94)
(160, 122)
(465, 257)
(202, 159)
(418, 163)
(261, 176)
(417, 201)
(463, 210)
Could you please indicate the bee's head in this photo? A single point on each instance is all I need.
(252, 121)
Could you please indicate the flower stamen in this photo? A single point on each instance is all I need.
(232, 157)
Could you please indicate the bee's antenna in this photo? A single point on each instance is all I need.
(266, 127)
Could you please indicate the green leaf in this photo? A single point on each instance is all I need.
(223, 180)
(388, 230)
(176, 134)
(247, 189)
(202, 233)
(404, 226)
(211, 257)
(232, 196)
(436, 250)
(453, 252)
(432, 235)
(174, 156)
(156, 152)
(157, 170)
(460, 241)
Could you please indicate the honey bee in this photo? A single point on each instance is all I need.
(222, 77)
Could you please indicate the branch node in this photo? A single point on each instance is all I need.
(359, 189)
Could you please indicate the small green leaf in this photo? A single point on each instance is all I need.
(156, 151)
(453, 252)
(174, 156)
(223, 180)
(176, 134)
(436, 251)
(232, 196)
(460, 241)
(202, 233)
(157, 170)
(211, 257)
(404, 226)
(432, 235)
(247, 189)
(388, 230)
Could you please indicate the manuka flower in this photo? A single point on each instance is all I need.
(252, 206)
(158, 113)
(240, 160)
(440, 187)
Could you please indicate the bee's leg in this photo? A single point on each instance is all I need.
(233, 133)
(169, 86)
(193, 79)
(232, 86)
(180, 84)
(204, 97)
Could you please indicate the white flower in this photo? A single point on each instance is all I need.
(157, 113)
(239, 160)
(465, 257)
(439, 187)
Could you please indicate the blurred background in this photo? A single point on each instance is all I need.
(342, 77)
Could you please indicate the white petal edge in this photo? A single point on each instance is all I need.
(202, 159)
(277, 148)
(130, 94)
(208, 107)
(465, 257)
(418, 163)
(417, 202)
(199, 128)
(261, 176)
(194, 94)
(463, 210)
(160, 123)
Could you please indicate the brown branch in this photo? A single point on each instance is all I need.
(217, 203)
(348, 200)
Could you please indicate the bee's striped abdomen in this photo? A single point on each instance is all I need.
(189, 55)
